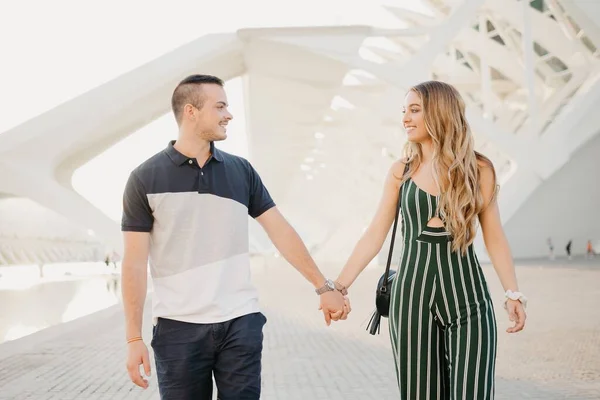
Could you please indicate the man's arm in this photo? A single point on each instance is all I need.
(292, 248)
(136, 224)
(134, 284)
(134, 280)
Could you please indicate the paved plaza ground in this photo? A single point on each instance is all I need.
(556, 357)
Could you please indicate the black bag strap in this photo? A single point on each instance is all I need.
(393, 239)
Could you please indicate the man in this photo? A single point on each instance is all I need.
(186, 211)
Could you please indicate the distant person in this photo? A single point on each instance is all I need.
(590, 249)
(551, 248)
(568, 248)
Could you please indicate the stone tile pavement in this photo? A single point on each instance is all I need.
(557, 357)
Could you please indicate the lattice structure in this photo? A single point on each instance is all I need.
(323, 107)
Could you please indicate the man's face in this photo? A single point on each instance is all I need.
(210, 121)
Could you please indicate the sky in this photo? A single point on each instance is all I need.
(53, 51)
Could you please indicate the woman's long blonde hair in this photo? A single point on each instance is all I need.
(455, 161)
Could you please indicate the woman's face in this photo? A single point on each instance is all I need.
(414, 120)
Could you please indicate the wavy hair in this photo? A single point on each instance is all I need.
(455, 161)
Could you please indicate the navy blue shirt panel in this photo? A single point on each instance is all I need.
(169, 171)
(137, 214)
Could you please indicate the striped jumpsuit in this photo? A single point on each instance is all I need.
(442, 323)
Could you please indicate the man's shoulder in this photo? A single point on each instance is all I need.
(232, 158)
(148, 167)
(237, 163)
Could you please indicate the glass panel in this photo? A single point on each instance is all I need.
(497, 75)
(498, 39)
(556, 64)
(539, 5)
(567, 77)
(539, 49)
(573, 24)
(474, 58)
(588, 43)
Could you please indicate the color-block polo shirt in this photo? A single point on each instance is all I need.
(197, 218)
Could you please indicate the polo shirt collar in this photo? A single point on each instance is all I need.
(180, 159)
(216, 153)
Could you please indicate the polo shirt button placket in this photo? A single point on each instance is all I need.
(202, 184)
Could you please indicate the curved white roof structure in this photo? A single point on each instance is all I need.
(323, 117)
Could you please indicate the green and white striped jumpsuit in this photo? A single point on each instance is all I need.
(442, 323)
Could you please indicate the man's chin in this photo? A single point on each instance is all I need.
(214, 136)
(219, 136)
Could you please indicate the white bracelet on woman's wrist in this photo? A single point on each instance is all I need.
(515, 296)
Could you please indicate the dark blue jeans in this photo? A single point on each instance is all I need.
(187, 355)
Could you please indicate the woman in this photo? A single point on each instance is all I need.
(442, 323)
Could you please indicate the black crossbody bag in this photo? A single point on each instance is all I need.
(382, 294)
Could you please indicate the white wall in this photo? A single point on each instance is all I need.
(566, 206)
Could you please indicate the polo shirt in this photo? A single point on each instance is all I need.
(197, 218)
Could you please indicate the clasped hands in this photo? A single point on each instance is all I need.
(335, 306)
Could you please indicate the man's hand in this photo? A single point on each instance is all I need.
(332, 303)
(137, 354)
(342, 314)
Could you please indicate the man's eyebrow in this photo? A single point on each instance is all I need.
(222, 102)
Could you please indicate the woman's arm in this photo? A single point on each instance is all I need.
(497, 246)
(372, 239)
(493, 233)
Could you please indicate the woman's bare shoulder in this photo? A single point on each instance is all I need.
(487, 178)
(486, 169)
(397, 168)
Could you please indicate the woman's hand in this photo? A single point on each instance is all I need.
(343, 313)
(516, 313)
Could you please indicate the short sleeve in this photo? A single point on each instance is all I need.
(137, 214)
(260, 199)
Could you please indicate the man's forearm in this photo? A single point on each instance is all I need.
(134, 285)
(291, 247)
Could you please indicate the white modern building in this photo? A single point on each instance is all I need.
(323, 120)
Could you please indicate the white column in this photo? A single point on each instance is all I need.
(529, 65)
(486, 78)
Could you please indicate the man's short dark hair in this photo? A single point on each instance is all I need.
(187, 92)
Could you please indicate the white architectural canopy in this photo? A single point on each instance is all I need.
(323, 117)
